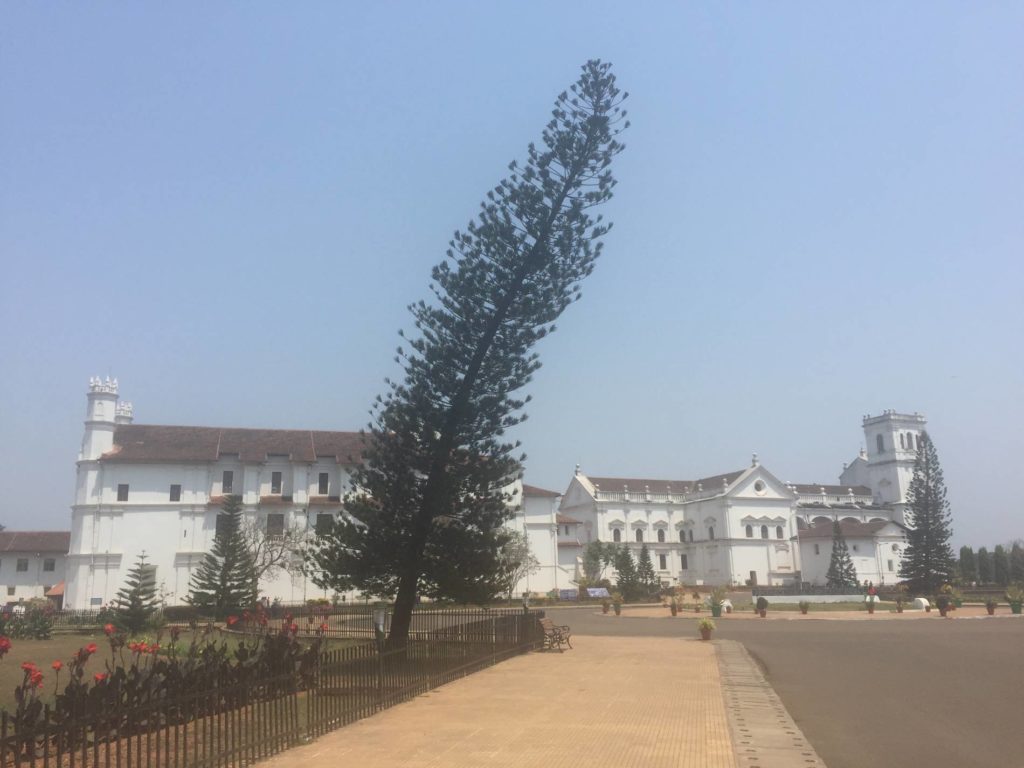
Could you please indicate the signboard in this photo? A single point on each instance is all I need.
(567, 594)
(597, 592)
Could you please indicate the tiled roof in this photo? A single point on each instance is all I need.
(159, 443)
(814, 489)
(35, 541)
(533, 490)
(640, 485)
(850, 530)
(566, 520)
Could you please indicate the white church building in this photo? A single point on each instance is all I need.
(159, 490)
(742, 527)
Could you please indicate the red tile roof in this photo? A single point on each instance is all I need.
(566, 520)
(533, 490)
(640, 485)
(35, 541)
(160, 443)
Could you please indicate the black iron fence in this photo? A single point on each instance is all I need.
(239, 724)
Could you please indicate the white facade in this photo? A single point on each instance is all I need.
(159, 490)
(32, 563)
(748, 527)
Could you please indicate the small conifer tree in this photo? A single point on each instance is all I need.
(645, 570)
(928, 561)
(628, 583)
(1000, 566)
(984, 566)
(968, 565)
(841, 573)
(226, 580)
(136, 602)
(1016, 563)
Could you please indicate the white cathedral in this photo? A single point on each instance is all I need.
(159, 489)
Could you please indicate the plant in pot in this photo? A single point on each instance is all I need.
(606, 605)
(804, 607)
(990, 606)
(617, 603)
(717, 601)
(674, 606)
(706, 626)
(762, 607)
(900, 597)
(1015, 597)
(942, 602)
(870, 603)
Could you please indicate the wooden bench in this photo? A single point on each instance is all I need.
(554, 635)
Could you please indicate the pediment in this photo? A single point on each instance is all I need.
(758, 483)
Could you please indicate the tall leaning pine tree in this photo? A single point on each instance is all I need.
(928, 562)
(226, 578)
(841, 575)
(430, 498)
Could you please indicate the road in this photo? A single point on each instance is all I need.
(883, 694)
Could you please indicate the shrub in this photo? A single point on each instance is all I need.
(762, 604)
(35, 623)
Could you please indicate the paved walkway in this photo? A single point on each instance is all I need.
(611, 702)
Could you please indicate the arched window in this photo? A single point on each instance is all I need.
(902, 443)
(661, 535)
(616, 535)
(691, 534)
(764, 531)
(682, 535)
(639, 535)
(880, 442)
(750, 531)
(711, 533)
(778, 531)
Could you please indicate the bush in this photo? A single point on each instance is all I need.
(35, 623)
(181, 614)
(762, 604)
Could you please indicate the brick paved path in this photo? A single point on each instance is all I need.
(612, 702)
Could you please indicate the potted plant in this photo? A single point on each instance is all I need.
(900, 597)
(606, 605)
(870, 604)
(717, 601)
(942, 602)
(674, 607)
(1015, 597)
(990, 606)
(706, 626)
(762, 606)
(804, 607)
(617, 603)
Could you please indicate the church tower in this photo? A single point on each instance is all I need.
(100, 419)
(892, 440)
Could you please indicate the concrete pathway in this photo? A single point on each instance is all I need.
(611, 702)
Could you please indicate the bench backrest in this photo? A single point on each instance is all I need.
(547, 624)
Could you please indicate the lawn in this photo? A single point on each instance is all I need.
(859, 605)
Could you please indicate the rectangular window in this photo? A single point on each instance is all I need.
(324, 484)
(566, 530)
(227, 482)
(275, 482)
(222, 525)
(890, 564)
(817, 549)
(275, 524)
(122, 492)
(10, 591)
(682, 563)
(175, 493)
(22, 564)
(50, 564)
(663, 562)
(323, 523)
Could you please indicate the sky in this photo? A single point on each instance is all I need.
(819, 215)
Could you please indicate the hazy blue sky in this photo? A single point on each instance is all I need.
(228, 206)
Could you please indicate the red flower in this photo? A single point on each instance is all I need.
(36, 679)
(99, 677)
(57, 666)
(154, 647)
(28, 666)
(232, 620)
(323, 627)
(294, 628)
(109, 629)
(5, 644)
(90, 648)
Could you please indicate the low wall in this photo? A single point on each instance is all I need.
(857, 598)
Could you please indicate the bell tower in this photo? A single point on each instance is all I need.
(100, 418)
(892, 440)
